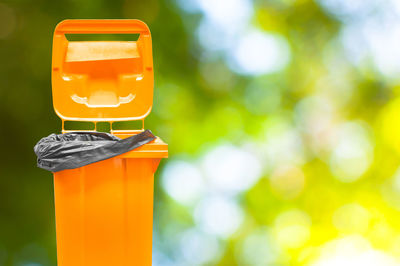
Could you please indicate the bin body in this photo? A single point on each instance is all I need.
(104, 213)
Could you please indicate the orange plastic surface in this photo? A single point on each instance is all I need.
(102, 80)
(104, 211)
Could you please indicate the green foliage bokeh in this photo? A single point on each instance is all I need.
(320, 100)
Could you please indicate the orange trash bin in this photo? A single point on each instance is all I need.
(104, 211)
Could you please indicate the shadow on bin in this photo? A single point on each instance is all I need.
(103, 182)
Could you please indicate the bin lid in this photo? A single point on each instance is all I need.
(102, 80)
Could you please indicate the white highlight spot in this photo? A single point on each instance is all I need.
(257, 249)
(219, 216)
(292, 229)
(258, 53)
(199, 248)
(350, 251)
(351, 218)
(230, 169)
(353, 153)
(227, 14)
(183, 182)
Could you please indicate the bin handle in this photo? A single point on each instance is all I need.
(101, 26)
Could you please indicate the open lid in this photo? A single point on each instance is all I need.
(102, 80)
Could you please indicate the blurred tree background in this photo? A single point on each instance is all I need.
(281, 118)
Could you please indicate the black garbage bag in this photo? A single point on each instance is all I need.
(77, 149)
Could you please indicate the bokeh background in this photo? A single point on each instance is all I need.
(282, 119)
